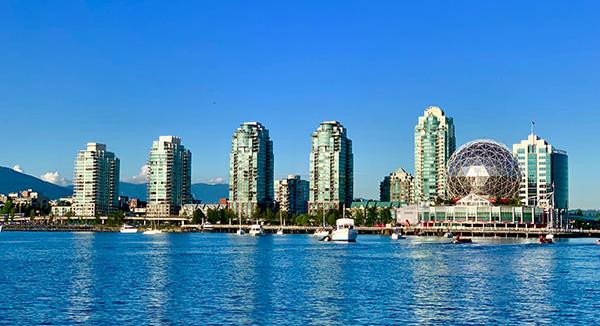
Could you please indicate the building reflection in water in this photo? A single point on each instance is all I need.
(80, 292)
(157, 265)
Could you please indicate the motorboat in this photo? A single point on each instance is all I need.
(257, 230)
(344, 231)
(240, 231)
(459, 240)
(207, 226)
(321, 233)
(545, 240)
(598, 242)
(397, 234)
(128, 229)
(448, 235)
(280, 232)
(152, 232)
(1, 228)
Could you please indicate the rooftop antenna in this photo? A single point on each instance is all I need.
(532, 125)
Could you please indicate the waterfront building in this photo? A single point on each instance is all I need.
(545, 172)
(169, 177)
(251, 164)
(291, 194)
(331, 168)
(29, 198)
(384, 189)
(434, 144)
(483, 179)
(96, 182)
(401, 187)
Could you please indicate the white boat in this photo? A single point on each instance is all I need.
(1, 228)
(240, 231)
(321, 233)
(280, 232)
(344, 231)
(128, 229)
(257, 230)
(449, 235)
(207, 226)
(152, 232)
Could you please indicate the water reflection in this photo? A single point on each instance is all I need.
(155, 288)
(80, 291)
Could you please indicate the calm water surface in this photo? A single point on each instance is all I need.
(132, 279)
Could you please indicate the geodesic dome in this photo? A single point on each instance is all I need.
(485, 168)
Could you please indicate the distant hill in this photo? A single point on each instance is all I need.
(13, 181)
(201, 191)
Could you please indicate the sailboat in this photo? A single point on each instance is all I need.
(240, 231)
(322, 233)
(280, 230)
(153, 230)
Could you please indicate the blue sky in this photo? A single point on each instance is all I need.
(124, 73)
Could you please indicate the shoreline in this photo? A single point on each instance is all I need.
(517, 233)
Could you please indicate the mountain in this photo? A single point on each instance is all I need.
(13, 181)
(201, 191)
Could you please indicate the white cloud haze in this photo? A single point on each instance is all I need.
(217, 181)
(55, 178)
(141, 177)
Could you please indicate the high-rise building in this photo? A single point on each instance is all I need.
(96, 182)
(169, 177)
(384, 189)
(291, 194)
(251, 169)
(545, 171)
(401, 187)
(434, 144)
(331, 168)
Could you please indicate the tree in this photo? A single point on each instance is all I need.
(331, 216)
(302, 220)
(371, 217)
(385, 216)
(359, 217)
(198, 216)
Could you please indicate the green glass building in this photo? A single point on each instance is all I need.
(251, 165)
(331, 168)
(435, 142)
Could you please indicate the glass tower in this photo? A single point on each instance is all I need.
(434, 144)
(545, 172)
(169, 177)
(251, 169)
(331, 168)
(96, 182)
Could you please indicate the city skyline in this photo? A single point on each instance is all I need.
(80, 83)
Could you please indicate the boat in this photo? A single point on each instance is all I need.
(152, 232)
(128, 229)
(396, 235)
(598, 242)
(207, 226)
(240, 231)
(459, 240)
(545, 240)
(321, 233)
(1, 228)
(257, 230)
(344, 231)
(448, 235)
(280, 230)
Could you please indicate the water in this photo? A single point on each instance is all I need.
(132, 279)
